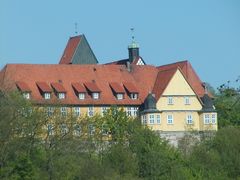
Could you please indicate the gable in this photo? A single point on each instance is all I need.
(83, 53)
(178, 86)
(140, 62)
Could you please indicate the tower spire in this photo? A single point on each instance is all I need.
(133, 48)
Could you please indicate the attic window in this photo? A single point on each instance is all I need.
(79, 90)
(118, 90)
(93, 89)
(59, 90)
(45, 90)
(132, 90)
(24, 88)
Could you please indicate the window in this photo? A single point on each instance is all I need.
(50, 129)
(61, 95)
(104, 110)
(47, 95)
(77, 130)
(169, 119)
(133, 96)
(64, 129)
(119, 96)
(206, 118)
(50, 111)
(95, 95)
(81, 96)
(170, 100)
(187, 100)
(77, 111)
(104, 129)
(144, 119)
(189, 119)
(63, 111)
(91, 129)
(151, 119)
(158, 119)
(214, 118)
(132, 111)
(90, 111)
(26, 95)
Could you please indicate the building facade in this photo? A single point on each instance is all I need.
(170, 99)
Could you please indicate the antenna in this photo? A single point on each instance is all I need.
(76, 28)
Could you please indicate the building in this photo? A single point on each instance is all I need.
(170, 99)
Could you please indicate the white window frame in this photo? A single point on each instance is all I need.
(91, 129)
(119, 96)
(132, 111)
(77, 111)
(158, 119)
(104, 129)
(63, 129)
(50, 111)
(170, 119)
(151, 119)
(95, 95)
(189, 119)
(133, 96)
(187, 100)
(91, 111)
(50, 129)
(81, 96)
(77, 130)
(144, 119)
(170, 100)
(214, 118)
(104, 110)
(61, 95)
(47, 95)
(63, 111)
(206, 118)
(26, 95)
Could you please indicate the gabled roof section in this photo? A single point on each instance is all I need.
(78, 51)
(116, 87)
(22, 86)
(58, 87)
(79, 88)
(92, 87)
(162, 80)
(44, 87)
(131, 88)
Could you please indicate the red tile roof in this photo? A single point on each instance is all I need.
(131, 88)
(79, 88)
(92, 86)
(58, 87)
(44, 87)
(117, 88)
(23, 86)
(70, 49)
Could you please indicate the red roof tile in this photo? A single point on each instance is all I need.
(58, 87)
(92, 86)
(70, 49)
(117, 88)
(130, 87)
(23, 86)
(44, 87)
(79, 87)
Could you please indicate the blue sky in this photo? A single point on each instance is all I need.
(205, 32)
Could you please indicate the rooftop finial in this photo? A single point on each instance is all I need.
(133, 43)
(132, 30)
(76, 28)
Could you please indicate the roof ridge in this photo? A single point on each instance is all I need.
(178, 62)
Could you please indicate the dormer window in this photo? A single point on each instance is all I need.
(61, 95)
(47, 95)
(81, 96)
(26, 95)
(117, 90)
(25, 90)
(79, 90)
(44, 89)
(93, 89)
(59, 90)
(119, 96)
(95, 95)
(133, 95)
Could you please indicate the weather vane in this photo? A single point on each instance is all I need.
(132, 30)
(76, 28)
